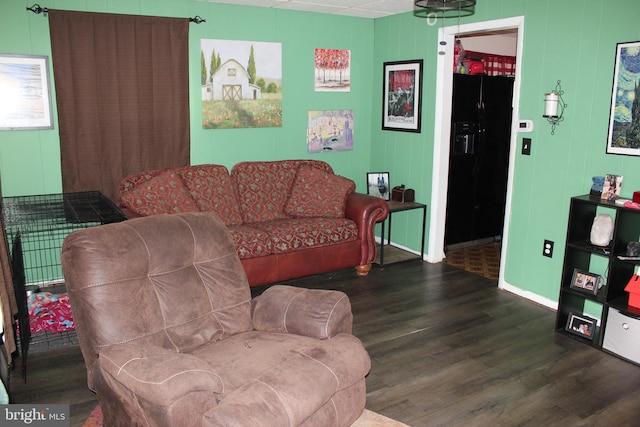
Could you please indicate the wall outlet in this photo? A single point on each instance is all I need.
(547, 249)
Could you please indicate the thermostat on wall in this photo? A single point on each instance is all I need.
(525, 126)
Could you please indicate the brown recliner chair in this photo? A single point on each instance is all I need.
(171, 337)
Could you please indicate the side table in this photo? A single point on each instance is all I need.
(402, 207)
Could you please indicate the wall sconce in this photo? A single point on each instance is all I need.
(554, 107)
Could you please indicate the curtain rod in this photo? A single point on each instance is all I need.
(37, 9)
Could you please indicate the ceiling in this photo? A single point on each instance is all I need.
(359, 8)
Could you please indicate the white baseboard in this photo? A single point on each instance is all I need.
(553, 305)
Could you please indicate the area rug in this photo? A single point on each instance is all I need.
(367, 419)
(482, 260)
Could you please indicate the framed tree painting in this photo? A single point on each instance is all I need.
(624, 116)
(332, 70)
(402, 92)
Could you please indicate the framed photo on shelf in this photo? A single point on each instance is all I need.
(581, 325)
(611, 187)
(26, 89)
(402, 96)
(586, 282)
(624, 137)
(378, 185)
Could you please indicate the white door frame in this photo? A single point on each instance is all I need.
(442, 131)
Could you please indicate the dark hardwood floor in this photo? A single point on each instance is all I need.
(448, 348)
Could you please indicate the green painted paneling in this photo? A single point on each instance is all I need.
(30, 160)
(572, 41)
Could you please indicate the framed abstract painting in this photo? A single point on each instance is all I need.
(25, 93)
(624, 116)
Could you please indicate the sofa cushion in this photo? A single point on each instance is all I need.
(300, 233)
(250, 242)
(164, 193)
(211, 188)
(132, 181)
(276, 371)
(316, 193)
(263, 188)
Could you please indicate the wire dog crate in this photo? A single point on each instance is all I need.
(42, 222)
(36, 227)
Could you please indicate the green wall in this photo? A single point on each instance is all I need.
(30, 160)
(573, 41)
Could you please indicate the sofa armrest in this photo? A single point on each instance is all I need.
(156, 374)
(366, 211)
(316, 313)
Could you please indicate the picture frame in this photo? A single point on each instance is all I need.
(26, 92)
(612, 187)
(378, 185)
(330, 130)
(624, 135)
(402, 96)
(230, 98)
(586, 282)
(581, 325)
(332, 70)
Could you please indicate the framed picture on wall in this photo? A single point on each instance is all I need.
(402, 96)
(25, 93)
(329, 130)
(624, 130)
(378, 185)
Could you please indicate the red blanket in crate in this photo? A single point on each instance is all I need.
(49, 312)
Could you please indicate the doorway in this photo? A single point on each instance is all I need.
(442, 131)
(481, 116)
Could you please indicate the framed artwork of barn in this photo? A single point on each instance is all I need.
(241, 84)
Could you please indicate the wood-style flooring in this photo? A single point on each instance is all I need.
(448, 348)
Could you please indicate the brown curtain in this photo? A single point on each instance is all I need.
(122, 90)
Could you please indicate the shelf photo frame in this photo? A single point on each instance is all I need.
(581, 325)
(586, 282)
(25, 92)
(402, 96)
(378, 185)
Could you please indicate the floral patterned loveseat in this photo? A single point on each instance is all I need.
(288, 218)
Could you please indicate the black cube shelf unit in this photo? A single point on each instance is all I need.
(604, 261)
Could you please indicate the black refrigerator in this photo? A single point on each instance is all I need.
(478, 158)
